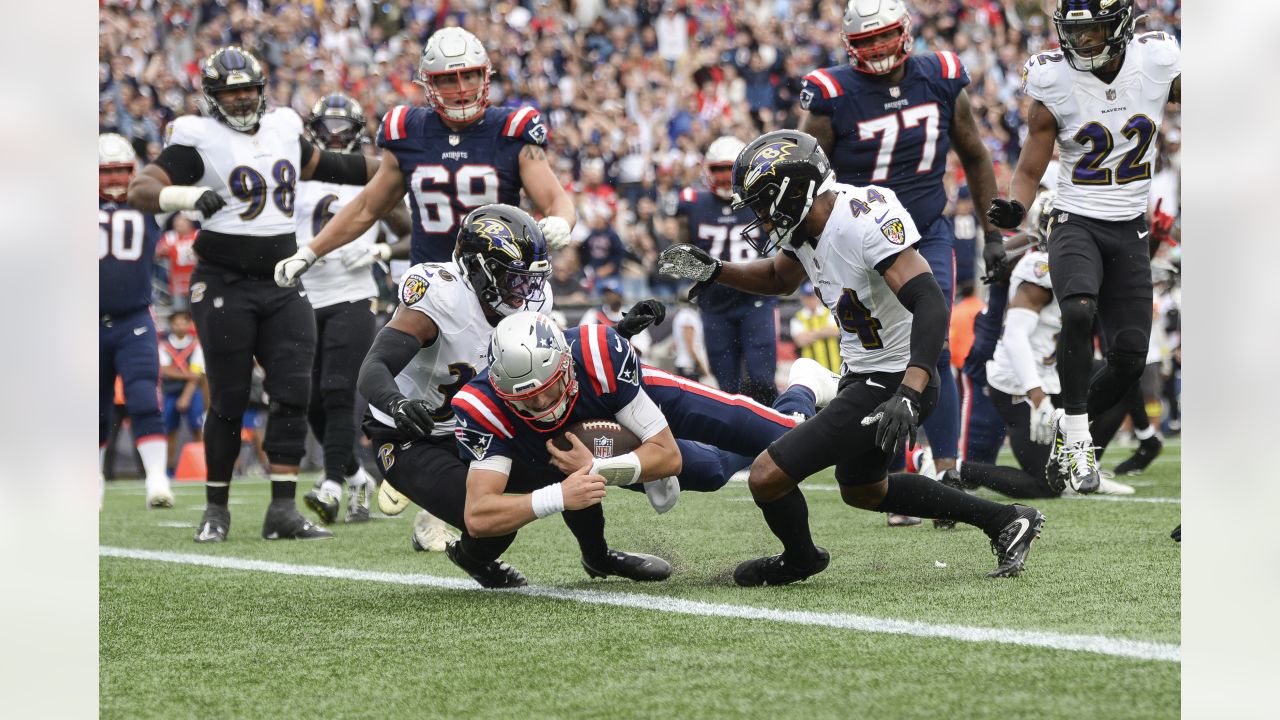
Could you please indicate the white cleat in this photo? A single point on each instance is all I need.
(390, 501)
(160, 498)
(663, 493)
(430, 533)
(811, 374)
(1107, 485)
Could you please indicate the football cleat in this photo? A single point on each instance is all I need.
(160, 498)
(774, 570)
(359, 490)
(214, 525)
(1055, 467)
(390, 501)
(896, 520)
(323, 503)
(494, 574)
(1014, 541)
(823, 383)
(1148, 450)
(284, 522)
(1082, 469)
(430, 533)
(633, 566)
(1177, 534)
(951, 478)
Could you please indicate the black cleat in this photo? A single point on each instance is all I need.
(324, 504)
(1147, 451)
(1176, 534)
(633, 566)
(951, 478)
(215, 524)
(1014, 541)
(494, 574)
(774, 570)
(1055, 469)
(284, 522)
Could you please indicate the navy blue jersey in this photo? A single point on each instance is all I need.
(608, 375)
(449, 173)
(893, 136)
(127, 241)
(717, 228)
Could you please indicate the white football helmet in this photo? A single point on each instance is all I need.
(116, 163)
(877, 19)
(720, 158)
(450, 54)
(531, 369)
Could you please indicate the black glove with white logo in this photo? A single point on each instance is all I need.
(640, 316)
(896, 420)
(413, 418)
(209, 203)
(1007, 214)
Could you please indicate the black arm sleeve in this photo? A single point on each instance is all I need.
(922, 297)
(182, 164)
(341, 168)
(391, 352)
(305, 151)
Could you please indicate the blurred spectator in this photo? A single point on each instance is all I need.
(815, 332)
(181, 381)
(177, 252)
(686, 334)
(610, 312)
(966, 309)
(602, 250)
(566, 279)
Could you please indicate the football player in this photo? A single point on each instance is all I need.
(744, 325)
(451, 158)
(1101, 99)
(340, 289)
(857, 246)
(887, 118)
(127, 343)
(240, 169)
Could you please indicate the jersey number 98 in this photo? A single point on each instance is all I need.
(248, 186)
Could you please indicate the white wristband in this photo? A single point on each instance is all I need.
(621, 470)
(181, 197)
(548, 500)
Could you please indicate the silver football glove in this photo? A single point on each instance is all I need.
(690, 262)
(291, 268)
(1041, 421)
(556, 230)
(355, 257)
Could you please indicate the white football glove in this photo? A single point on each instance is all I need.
(556, 230)
(357, 256)
(1041, 421)
(291, 268)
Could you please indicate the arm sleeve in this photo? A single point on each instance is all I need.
(391, 352)
(1019, 323)
(922, 297)
(182, 163)
(642, 417)
(305, 151)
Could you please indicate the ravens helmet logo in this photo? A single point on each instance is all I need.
(766, 160)
(498, 234)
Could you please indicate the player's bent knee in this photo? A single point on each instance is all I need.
(865, 497)
(767, 481)
(1078, 310)
(1129, 366)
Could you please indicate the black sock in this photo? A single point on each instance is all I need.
(788, 518)
(485, 549)
(918, 496)
(1006, 480)
(284, 489)
(217, 494)
(587, 525)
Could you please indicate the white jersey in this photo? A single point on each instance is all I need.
(460, 352)
(686, 353)
(867, 226)
(1107, 132)
(329, 281)
(256, 174)
(1032, 268)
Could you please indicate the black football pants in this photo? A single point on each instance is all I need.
(344, 333)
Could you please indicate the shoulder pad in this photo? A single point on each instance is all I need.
(606, 357)
(1162, 57)
(950, 67)
(525, 124)
(689, 195)
(437, 293)
(1033, 267)
(820, 87)
(1042, 76)
(189, 130)
(476, 410)
(285, 118)
(398, 123)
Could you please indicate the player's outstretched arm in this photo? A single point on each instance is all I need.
(778, 275)
(393, 348)
(548, 196)
(489, 513)
(974, 156)
(165, 185)
(1036, 153)
(657, 458)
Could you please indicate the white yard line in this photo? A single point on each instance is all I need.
(1102, 645)
(1108, 498)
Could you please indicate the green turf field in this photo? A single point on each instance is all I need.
(386, 632)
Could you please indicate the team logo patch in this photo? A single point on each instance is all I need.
(1040, 269)
(498, 234)
(538, 132)
(895, 92)
(386, 456)
(765, 161)
(630, 370)
(806, 97)
(475, 441)
(197, 291)
(603, 447)
(445, 275)
(1111, 95)
(895, 231)
(1062, 217)
(454, 140)
(413, 290)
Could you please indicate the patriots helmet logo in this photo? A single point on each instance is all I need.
(498, 234)
(766, 160)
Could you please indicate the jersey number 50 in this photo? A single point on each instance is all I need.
(120, 234)
(472, 186)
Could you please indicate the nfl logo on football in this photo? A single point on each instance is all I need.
(603, 447)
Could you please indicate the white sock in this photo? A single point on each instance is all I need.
(102, 459)
(154, 456)
(332, 487)
(1076, 428)
(1146, 433)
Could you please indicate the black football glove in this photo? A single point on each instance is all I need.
(896, 420)
(1007, 214)
(640, 316)
(413, 418)
(993, 255)
(209, 203)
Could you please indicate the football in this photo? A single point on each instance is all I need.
(604, 438)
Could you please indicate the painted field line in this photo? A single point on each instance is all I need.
(1107, 498)
(1099, 644)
